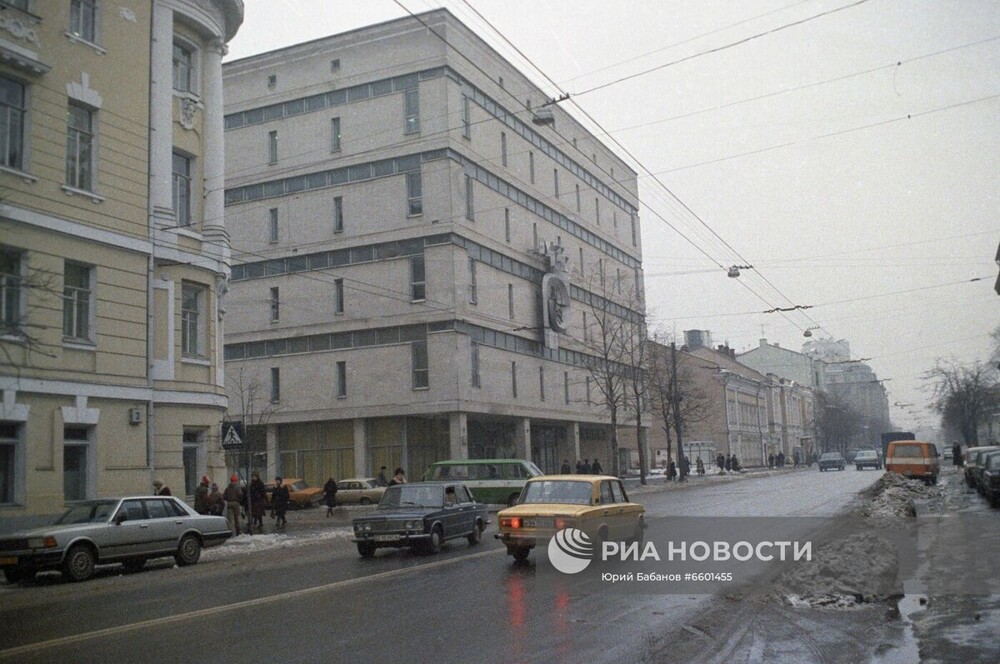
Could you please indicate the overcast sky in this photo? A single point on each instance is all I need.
(848, 150)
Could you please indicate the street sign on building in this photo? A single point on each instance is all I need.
(232, 435)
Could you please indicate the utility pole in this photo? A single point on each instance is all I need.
(675, 399)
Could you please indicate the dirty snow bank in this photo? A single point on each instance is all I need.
(893, 495)
(244, 544)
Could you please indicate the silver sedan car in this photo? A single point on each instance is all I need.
(128, 530)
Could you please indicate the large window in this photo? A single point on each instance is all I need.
(412, 122)
(273, 225)
(338, 296)
(12, 117)
(272, 147)
(414, 194)
(338, 214)
(418, 284)
(341, 380)
(182, 188)
(275, 385)
(8, 461)
(83, 19)
(192, 320)
(335, 135)
(192, 454)
(80, 147)
(421, 372)
(10, 290)
(183, 68)
(76, 463)
(77, 301)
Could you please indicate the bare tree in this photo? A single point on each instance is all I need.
(636, 355)
(24, 298)
(255, 407)
(673, 395)
(837, 423)
(964, 395)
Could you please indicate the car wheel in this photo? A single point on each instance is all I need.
(520, 553)
(188, 551)
(476, 535)
(512, 499)
(133, 565)
(366, 549)
(366, 501)
(434, 542)
(79, 563)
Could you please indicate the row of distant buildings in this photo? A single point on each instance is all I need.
(380, 248)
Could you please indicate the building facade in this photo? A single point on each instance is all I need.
(113, 250)
(417, 245)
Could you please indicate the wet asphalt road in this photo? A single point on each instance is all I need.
(320, 602)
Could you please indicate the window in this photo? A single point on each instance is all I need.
(475, 365)
(506, 224)
(12, 118)
(272, 81)
(534, 234)
(421, 374)
(273, 212)
(466, 117)
(338, 296)
(473, 294)
(586, 327)
(470, 212)
(633, 230)
(531, 167)
(272, 147)
(335, 135)
(192, 320)
(183, 68)
(510, 301)
(10, 290)
(275, 384)
(412, 103)
(414, 194)
(182, 189)
(503, 148)
(513, 378)
(76, 462)
(418, 284)
(192, 453)
(578, 208)
(566, 387)
(275, 305)
(597, 210)
(9, 445)
(83, 20)
(338, 214)
(555, 180)
(541, 383)
(581, 260)
(588, 391)
(77, 301)
(80, 147)
(335, 65)
(600, 270)
(341, 380)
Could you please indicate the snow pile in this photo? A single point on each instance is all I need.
(893, 495)
(244, 544)
(857, 569)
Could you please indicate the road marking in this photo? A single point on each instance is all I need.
(215, 610)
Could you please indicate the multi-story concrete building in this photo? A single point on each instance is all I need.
(112, 247)
(418, 239)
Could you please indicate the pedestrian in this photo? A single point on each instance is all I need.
(795, 458)
(595, 468)
(700, 465)
(956, 454)
(279, 503)
(233, 495)
(258, 502)
(398, 477)
(736, 464)
(729, 462)
(160, 489)
(215, 504)
(685, 468)
(585, 469)
(770, 460)
(671, 470)
(330, 495)
(720, 461)
(382, 481)
(780, 459)
(200, 494)
(564, 470)
(579, 467)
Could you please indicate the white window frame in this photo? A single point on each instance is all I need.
(193, 320)
(411, 111)
(77, 25)
(420, 373)
(78, 305)
(12, 294)
(181, 188)
(88, 471)
(414, 194)
(8, 112)
(335, 135)
(193, 67)
(272, 147)
(418, 286)
(75, 138)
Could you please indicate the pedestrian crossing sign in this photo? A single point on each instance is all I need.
(231, 440)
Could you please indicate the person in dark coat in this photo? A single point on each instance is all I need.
(685, 468)
(585, 469)
(729, 462)
(770, 460)
(671, 470)
(956, 454)
(579, 467)
(595, 468)
(215, 504)
(200, 496)
(736, 464)
(330, 495)
(720, 461)
(565, 469)
(279, 503)
(161, 489)
(700, 465)
(398, 477)
(233, 495)
(258, 502)
(382, 480)
(781, 459)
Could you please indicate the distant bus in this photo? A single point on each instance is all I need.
(890, 436)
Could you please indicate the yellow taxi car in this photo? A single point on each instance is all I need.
(596, 504)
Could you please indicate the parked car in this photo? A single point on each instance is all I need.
(492, 481)
(851, 454)
(359, 491)
(972, 462)
(831, 460)
(421, 516)
(979, 473)
(128, 530)
(991, 479)
(914, 459)
(300, 494)
(866, 458)
(596, 504)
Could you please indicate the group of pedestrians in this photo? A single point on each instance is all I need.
(776, 461)
(585, 467)
(728, 463)
(236, 504)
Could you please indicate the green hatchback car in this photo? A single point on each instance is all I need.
(493, 481)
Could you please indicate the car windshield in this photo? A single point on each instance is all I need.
(571, 492)
(412, 495)
(830, 456)
(907, 451)
(96, 512)
(866, 455)
(298, 486)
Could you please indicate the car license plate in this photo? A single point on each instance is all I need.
(386, 538)
(8, 560)
(536, 523)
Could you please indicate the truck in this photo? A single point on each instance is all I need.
(890, 436)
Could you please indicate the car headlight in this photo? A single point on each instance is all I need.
(368, 527)
(409, 525)
(47, 542)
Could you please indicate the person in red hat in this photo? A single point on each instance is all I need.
(201, 496)
(233, 495)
